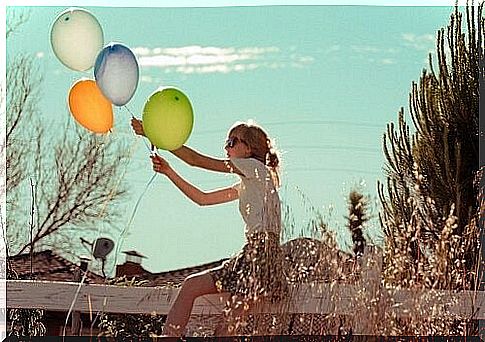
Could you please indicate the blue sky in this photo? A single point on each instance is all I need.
(323, 80)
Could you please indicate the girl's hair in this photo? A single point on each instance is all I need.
(261, 145)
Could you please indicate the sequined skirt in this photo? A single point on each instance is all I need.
(256, 272)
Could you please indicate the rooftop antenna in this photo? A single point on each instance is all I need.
(100, 249)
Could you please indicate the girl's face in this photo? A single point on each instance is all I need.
(236, 147)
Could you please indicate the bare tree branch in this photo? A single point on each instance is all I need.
(15, 19)
(77, 174)
(84, 181)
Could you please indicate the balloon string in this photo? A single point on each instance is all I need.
(72, 304)
(128, 109)
(135, 209)
(130, 221)
(151, 150)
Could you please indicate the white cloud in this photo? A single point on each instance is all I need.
(259, 50)
(141, 51)
(365, 49)
(210, 59)
(220, 68)
(424, 42)
(161, 61)
(40, 54)
(374, 54)
(303, 59)
(388, 61)
(333, 48)
(370, 49)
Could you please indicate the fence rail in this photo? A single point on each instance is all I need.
(322, 298)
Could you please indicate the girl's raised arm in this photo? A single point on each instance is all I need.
(192, 157)
(197, 159)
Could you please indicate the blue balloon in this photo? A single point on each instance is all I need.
(116, 72)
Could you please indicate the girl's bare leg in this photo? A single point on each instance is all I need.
(194, 286)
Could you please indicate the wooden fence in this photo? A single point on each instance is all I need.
(311, 298)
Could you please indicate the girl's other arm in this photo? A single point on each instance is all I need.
(192, 192)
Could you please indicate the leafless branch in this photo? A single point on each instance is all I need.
(77, 174)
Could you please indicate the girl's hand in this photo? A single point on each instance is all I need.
(137, 126)
(160, 165)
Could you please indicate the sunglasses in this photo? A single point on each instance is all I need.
(231, 142)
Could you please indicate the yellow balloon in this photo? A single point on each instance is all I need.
(168, 118)
(89, 106)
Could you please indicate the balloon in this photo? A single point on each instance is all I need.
(76, 38)
(168, 118)
(116, 73)
(89, 106)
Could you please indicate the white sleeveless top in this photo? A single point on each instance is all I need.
(259, 202)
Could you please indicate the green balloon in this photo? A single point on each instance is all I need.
(168, 118)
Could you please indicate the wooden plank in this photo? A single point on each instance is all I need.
(407, 303)
(319, 298)
(58, 296)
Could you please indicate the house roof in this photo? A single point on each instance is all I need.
(305, 259)
(176, 277)
(300, 254)
(47, 265)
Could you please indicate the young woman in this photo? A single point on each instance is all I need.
(256, 272)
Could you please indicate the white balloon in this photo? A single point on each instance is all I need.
(76, 38)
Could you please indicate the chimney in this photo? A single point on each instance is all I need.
(132, 266)
(84, 263)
